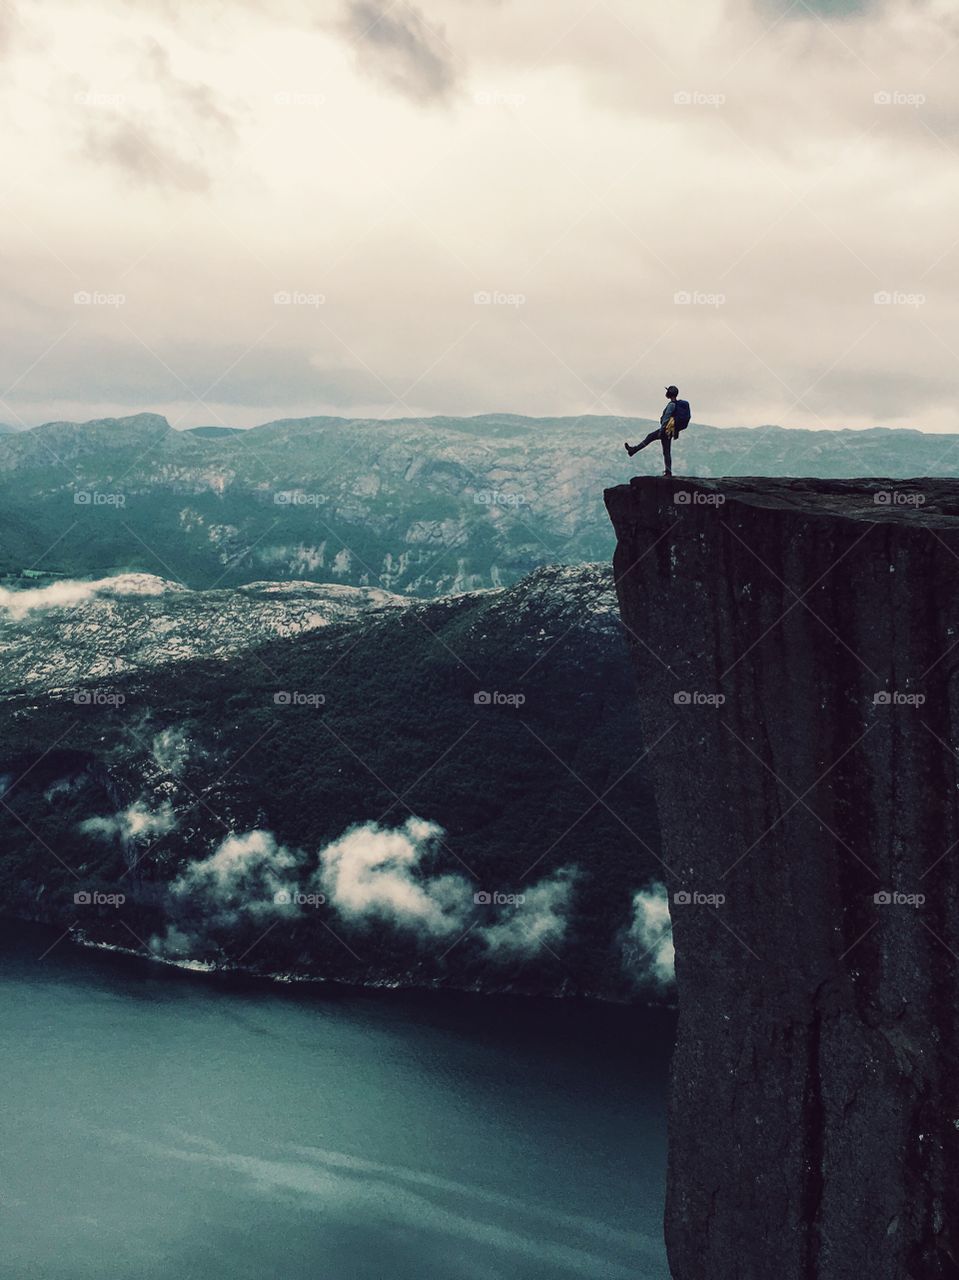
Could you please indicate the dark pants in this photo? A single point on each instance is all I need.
(667, 443)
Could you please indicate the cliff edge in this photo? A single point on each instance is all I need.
(796, 644)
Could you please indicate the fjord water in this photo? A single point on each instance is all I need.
(159, 1125)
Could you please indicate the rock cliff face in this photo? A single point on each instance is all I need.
(797, 643)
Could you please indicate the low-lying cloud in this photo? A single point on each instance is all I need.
(136, 822)
(648, 953)
(246, 880)
(374, 873)
(371, 876)
(539, 920)
(245, 874)
(17, 605)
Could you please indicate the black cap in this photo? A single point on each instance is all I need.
(672, 391)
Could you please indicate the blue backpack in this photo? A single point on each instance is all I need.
(681, 415)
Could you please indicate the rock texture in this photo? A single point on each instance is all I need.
(796, 643)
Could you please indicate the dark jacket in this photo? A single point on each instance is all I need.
(673, 409)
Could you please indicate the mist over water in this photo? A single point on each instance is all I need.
(169, 1126)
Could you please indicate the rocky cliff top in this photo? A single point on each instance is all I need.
(931, 502)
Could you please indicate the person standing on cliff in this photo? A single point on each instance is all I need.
(674, 418)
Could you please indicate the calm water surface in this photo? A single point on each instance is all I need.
(158, 1125)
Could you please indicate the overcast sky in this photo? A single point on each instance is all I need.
(540, 206)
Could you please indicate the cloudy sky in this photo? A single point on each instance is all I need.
(273, 208)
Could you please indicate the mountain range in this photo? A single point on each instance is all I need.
(419, 507)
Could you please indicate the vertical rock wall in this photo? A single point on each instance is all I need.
(797, 645)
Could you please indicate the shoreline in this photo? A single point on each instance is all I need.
(210, 969)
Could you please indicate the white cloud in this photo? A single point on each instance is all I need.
(247, 879)
(538, 921)
(648, 952)
(373, 872)
(244, 872)
(136, 822)
(68, 594)
(370, 875)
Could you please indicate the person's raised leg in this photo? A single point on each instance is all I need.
(635, 448)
